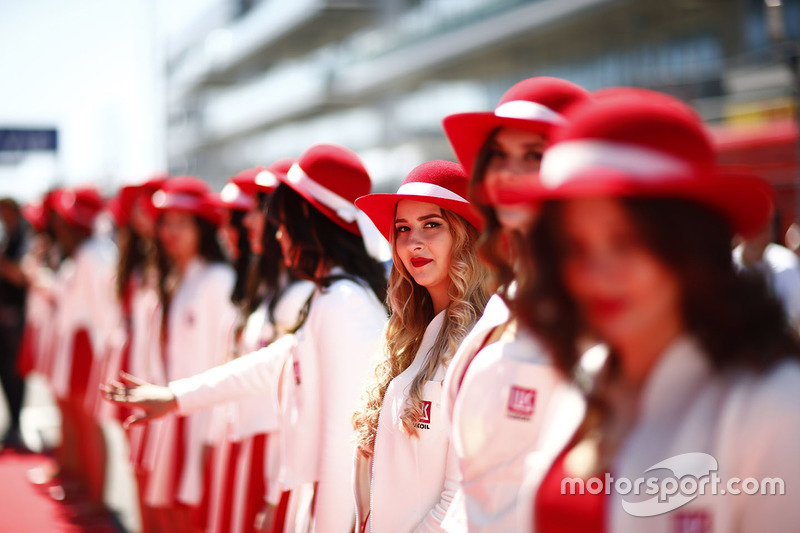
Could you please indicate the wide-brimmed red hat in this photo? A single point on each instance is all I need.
(635, 142)
(260, 178)
(234, 198)
(330, 177)
(121, 205)
(535, 104)
(188, 194)
(443, 183)
(78, 206)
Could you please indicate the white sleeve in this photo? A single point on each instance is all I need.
(433, 521)
(348, 329)
(252, 374)
(787, 287)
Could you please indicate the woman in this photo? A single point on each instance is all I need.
(405, 471)
(270, 302)
(197, 318)
(137, 299)
(633, 249)
(86, 317)
(338, 331)
(501, 374)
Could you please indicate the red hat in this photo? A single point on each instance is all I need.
(234, 198)
(443, 183)
(536, 105)
(189, 195)
(330, 177)
(36, 215)
(78, 207)
(261, 178)
(122, 204)
(635, 142)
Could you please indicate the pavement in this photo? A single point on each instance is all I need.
(41, 423)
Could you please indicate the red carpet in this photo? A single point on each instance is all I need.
(25, 508)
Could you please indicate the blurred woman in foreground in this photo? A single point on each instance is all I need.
(633, 249)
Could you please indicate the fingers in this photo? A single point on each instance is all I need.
(135, 420)
(131, 379)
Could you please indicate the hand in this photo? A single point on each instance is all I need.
(156, 401)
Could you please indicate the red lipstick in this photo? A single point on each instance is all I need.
(607, 307)
(420, 261)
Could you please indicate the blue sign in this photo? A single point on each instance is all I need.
(28, 140)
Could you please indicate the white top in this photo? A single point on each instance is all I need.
(85, 288)
(413, 478)
(748, 422)
(200, 322)
(340, 336)
(260, 414)
(781, 270)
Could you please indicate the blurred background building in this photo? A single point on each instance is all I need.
(227, 84)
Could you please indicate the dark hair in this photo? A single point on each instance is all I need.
(732, 315)
(243, 262)
(495, 245)
(316, 239)
(135, 253)
(267, 278)
(208, 248)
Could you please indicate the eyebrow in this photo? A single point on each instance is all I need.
(426, 217)
(537, 144)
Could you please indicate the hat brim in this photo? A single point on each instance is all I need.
(746, 201)
(380, 208)
(352, 227)
(467, 132)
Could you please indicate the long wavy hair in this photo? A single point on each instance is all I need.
(738, 323)
(411, 312)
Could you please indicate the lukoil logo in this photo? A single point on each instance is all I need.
(693, 474)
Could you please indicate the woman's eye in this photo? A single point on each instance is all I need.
(432, 224)
(533, 156)
(496, 154)
(401, 229)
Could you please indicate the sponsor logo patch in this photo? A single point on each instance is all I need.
(694, 521)
(521, 402)
(425, 419)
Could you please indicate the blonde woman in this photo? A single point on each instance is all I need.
(405, 471)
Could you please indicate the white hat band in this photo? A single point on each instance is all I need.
(172, 200)
(430, 190)
(231, 193)
(265, 178)
(345, 209)
(527, 110)
(564, 160)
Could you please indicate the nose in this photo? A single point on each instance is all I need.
(415, 241)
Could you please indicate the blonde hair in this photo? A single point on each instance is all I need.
(411, 312)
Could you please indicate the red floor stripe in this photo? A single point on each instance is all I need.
(25, 508)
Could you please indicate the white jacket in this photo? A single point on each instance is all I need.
(85, 295)
(201, 318)
(750, 423)
(497, 420)
(412, 479)
(328, 360)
